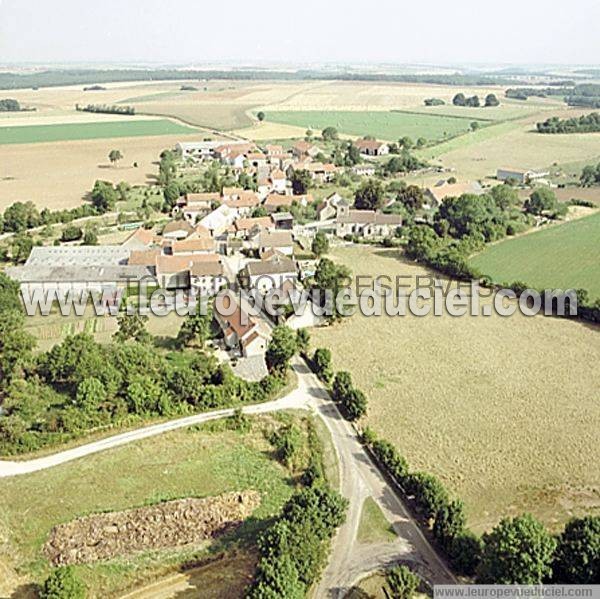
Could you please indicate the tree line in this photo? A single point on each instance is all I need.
(583, 94)
(588, 123)
(106, 108)
(473, 101)
(517, 551)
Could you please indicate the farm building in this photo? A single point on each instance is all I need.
(438, 193)
(366, 223)
(521, 176)
(66, 270)
(371, 147)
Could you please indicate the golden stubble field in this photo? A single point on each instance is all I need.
(59, 175)
(504, 410)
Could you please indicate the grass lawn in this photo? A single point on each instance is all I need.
(373, 527)
(564, 256)
(200, 461)
(503, 409)
(74, 131)
(380, 124)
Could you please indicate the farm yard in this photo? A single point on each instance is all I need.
(195, 462)
(565, 256)
(382, 125)
(503, 410)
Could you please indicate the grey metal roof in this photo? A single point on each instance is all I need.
(77, 274)
(78, 255)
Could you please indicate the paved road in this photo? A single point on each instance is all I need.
(359, 479)
(293, 400)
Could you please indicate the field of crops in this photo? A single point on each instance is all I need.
(503, 409)
(382, 125)
(100, 130)
(565, 256)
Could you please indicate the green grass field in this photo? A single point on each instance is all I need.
(380, 124)
(74, 131)
(195, 462)
(473, 399)
(562, 256)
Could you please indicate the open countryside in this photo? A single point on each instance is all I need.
(380, 124)
(540, 259)
(71, 131)
(438, 389)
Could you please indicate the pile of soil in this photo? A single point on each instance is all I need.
(166, 525)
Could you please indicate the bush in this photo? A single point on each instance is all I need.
(71, 233)
(465, 553)
(577, 559)
(401, 582)
(516, 551)
(429, 493)
(322, 364)
(394, 463)
(63, 584)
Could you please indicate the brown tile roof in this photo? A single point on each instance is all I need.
(234, 321)
(277, 174)
(206, 269)
(274, 149)
(245, 224)
(248, 200)
(144, 236)
(201, 244)
(277, 264)
(365, 217)
(178, 225)
(319, 167)
(368, 144)
(452, 190)
(200, 231)
(173, 264)
(144, 257)
(275, 239)
(198, 198)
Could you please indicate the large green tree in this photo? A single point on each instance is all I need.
(281, 349)
(369, 195)
(517, 551)
(577, 558)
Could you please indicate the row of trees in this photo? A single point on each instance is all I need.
(589, 123)
(294, 550)
(517, 551)
(106, 108)
(473, 101)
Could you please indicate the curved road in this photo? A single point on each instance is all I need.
(359, 479)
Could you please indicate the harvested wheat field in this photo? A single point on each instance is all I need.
(58, 175)
(503, 409)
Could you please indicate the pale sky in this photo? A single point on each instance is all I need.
(395, 31)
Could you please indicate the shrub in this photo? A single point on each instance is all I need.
(322, 364)
(577, 559)
(516, 551)
(465, 553)
(401, 582)
(429, 493)
(63, 584)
